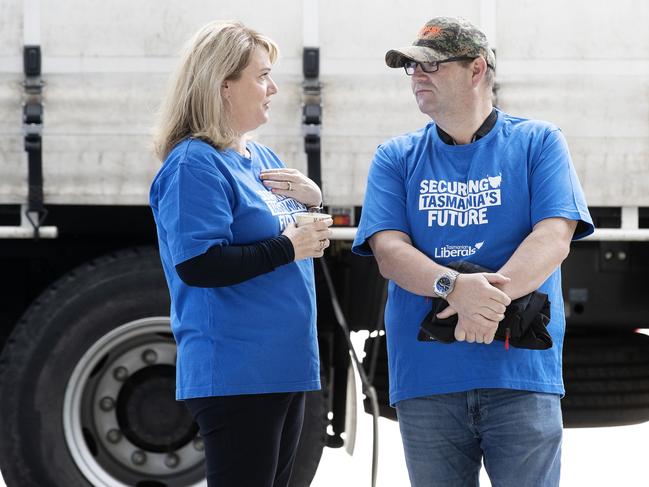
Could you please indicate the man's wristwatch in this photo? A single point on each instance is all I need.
(444, 284)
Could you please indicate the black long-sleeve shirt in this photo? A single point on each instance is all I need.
(231, 264)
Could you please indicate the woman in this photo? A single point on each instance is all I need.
(239, 271)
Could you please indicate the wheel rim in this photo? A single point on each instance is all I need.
(121, 422)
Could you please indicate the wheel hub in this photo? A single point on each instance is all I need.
(149, 415)
(121, 422)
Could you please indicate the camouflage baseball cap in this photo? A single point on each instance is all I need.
(442, 38)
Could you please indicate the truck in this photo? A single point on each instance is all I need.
(87, 364)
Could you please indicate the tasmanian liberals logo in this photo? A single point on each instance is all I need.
(459, 203)
(457, 250)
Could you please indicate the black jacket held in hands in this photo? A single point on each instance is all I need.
(525, 322)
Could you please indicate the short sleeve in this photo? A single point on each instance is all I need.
(195, 208)
(555, 190)
(384, 207)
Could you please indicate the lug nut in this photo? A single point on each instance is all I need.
(172, 460)
(138, 457)
(120, 374)
(149, 356)
(107, 404)
(198, 444)
(114, 436)
(621, 255)
(608, 255)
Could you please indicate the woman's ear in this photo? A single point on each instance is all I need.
(225, 89)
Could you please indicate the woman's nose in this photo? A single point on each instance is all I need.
(272, 87)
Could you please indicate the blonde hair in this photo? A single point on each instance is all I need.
(193, 105)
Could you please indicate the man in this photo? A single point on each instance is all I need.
(479, 185)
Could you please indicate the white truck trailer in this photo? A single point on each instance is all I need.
(87, 364)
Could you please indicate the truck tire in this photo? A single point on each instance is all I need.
(606, 375)
(88, 378)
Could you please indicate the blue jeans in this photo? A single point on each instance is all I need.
(445, 437)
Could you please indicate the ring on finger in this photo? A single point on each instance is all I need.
(290, 186)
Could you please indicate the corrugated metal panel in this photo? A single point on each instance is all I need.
(106, 66)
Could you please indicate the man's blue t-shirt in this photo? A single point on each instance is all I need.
(258, 336)
(474, 202)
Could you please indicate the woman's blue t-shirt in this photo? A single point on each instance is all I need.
(474, 202)
(258, 336)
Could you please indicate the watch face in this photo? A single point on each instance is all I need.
(443, 284)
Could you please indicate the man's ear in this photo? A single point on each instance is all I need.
(479, 70)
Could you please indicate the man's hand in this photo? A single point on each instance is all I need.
(479, 304)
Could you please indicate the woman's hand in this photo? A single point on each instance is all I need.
(309, 240)
(292, 183)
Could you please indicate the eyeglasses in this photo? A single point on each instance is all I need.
(431, 67)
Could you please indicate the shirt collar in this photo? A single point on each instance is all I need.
(483, 130)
